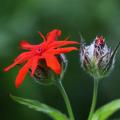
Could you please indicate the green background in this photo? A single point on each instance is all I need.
(22, 19)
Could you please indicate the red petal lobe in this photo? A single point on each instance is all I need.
(42, 36)
(26, 45)
(53, 63)
(61, 50)
(34, 64)
(20, 59)
(22, 73)
(52, 36)
(56, 44)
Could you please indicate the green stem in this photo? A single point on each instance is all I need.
(66, 99)
(95, 91)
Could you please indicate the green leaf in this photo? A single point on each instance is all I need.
(36, 105)
(107, 110)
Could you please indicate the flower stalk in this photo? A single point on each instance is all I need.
(59, 85)
(66, 100)
(94, 100)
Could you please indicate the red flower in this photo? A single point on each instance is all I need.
(47, 50)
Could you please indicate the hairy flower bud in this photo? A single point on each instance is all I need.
(44, 75)
(97, 59)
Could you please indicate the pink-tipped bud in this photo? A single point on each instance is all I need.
(97, 59)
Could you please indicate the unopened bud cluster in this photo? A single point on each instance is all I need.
(97, 59)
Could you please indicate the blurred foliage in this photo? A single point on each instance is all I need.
(22, 19)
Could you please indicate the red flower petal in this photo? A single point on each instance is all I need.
(26, 45)
(53, 63)
(56, 44)
(25, 55)
(34, 64)
(10, 66)
(52, 36)
(20, 59)
(61, 50)
(22, 73)
(42, 36)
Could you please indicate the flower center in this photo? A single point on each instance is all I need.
(39, 50)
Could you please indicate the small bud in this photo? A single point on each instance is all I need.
(44, 75)
(97, 59)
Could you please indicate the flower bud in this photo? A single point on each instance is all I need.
(97, 59)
